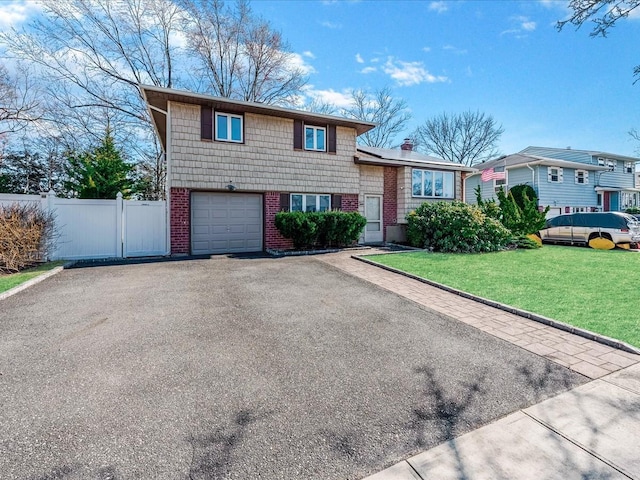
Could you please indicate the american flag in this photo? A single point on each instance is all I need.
(491, 174)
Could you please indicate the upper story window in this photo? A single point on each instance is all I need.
(628, 167)
(228, 127)
(432, 183)
(315, 138)
(500, 182)
(554, 174)
(601, 161)
(302, 202)
(582, 176)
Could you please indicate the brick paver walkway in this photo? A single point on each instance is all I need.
(584, 356)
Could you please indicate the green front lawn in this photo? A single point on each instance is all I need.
(598, 290)
(13, 280)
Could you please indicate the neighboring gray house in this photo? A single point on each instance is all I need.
(566, 180)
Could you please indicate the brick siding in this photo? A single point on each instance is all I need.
(272, 237)
(349, 202)
(180, 199)
(390, 198)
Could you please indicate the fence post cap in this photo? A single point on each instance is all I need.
(119, 195)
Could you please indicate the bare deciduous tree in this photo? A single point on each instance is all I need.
(241, 55)
(467, 138)
(380, 107)
(18, 104)
(603, 14)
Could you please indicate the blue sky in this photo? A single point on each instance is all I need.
(504, 58)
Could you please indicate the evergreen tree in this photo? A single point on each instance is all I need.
(99, 173)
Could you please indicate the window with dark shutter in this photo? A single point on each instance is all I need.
(297, 134)
(206, 123)
(332, 140)
(336, 202)
(284, 202)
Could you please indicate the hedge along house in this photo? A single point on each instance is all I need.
(232, 165)
(404, 179)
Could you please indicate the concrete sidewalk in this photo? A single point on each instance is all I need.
(592, 431)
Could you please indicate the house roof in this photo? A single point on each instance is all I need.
(593, 153)
(518, 160)
(397, 157)
(157, 99)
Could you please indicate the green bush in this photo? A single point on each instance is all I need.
(523, 220)
(633, 210)
(455, 227)
(320, 229)
(525, 243)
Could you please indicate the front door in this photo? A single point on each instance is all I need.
(373, 213)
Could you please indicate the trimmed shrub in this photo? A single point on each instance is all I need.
(521, 220)
(455, 227)
(521, 191)
(26, 235)
(633, 210)
(320, 229)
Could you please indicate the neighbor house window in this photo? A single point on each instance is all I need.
(228, 127)
(628, 167)
(554, 174)
(432, 183)
(601, 161)
(612, 165)
(582, 176)
(302, 202)
(499, 183)
(315, 138)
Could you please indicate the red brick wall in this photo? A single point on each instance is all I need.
(272, 237)
(349, 202)
(180, 220)
(390, 198)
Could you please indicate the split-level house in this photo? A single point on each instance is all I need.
(233, 165)
(566, 180)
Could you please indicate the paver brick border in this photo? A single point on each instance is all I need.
(596, 337)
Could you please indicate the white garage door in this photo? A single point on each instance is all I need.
(226, 222)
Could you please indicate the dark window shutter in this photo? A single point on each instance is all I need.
(284, 202)
(336, 202)
(332, 141)
(206, 123)
(297, 134)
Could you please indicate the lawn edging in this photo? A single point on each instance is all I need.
(596, 337)
(31, 281)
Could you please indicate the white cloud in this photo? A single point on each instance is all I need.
(16, 12)
(410, 73)
(426, 49)
(331, 25)
(524, 24)
(439, 7)
(455, 50)
(339, 99)
(308, 54)
(366, 70)
(359, 58)
(297, 61)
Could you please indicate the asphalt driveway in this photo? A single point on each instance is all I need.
(241, 368)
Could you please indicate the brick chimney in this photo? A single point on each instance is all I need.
(407, 145)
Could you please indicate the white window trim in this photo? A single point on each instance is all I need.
(628, 167)
(433, 186)
(229, 117)
(559, 174)
(612, 165)
(304, 201)
(315, 138)
(585, 177)
(497, 186)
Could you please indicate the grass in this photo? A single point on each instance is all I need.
(13, 280)
(597, 290)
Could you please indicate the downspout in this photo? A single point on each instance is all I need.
(167, 178)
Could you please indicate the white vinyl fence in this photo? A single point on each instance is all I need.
(87, 229)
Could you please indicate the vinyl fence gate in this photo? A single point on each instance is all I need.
(90, 229)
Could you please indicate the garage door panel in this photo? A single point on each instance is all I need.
(226, 222)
